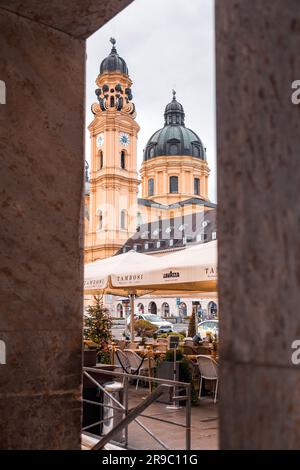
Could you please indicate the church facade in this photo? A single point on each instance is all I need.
(164, 207)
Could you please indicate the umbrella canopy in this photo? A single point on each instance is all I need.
(191, 270)
(98, 275)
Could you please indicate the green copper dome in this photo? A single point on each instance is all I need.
(174, 138)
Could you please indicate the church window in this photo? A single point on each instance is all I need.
(173, 184)
(150, 187)
(196, 151)
(197, 186)
(100, 219)
(112, 101)
(100, 160)
(173, 149)
(123, 219)
(123, 160)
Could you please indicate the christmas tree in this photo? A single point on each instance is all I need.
(192, 324)
(97, 324)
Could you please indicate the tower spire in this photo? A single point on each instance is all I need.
(174, 94)
(113, 41)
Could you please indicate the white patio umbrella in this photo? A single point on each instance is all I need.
(190, 270)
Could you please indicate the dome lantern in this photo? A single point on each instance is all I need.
(174, 112)
(113, 62)
(174, 138)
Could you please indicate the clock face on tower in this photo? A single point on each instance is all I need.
(100, 140)
(124, 139)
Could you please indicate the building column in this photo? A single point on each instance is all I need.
(258, 131)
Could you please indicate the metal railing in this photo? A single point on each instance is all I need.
(130, 415)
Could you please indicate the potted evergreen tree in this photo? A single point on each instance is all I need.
(192, 324)
(97, 328)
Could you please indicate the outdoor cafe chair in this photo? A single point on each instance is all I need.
(121, 360)
(209, 371)
(137, 364)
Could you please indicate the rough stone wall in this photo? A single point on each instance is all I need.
(41, 128)
(79, 18)
(41, 198)
(258, 221)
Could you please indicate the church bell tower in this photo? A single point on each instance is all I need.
(113, 178)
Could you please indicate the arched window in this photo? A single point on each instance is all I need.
(140, 308)
(123, 160)
(212, 309)
(152, 308)
(112, 101)
(120, 311)
(165, 308)
(100, 160)
(150, 187)
(182, 309)
(123, 219)
(197, 186)
(100, 219)
(173, 184)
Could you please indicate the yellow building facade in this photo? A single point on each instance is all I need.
(173, 177)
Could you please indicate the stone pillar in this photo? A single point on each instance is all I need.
(258, 131)
(41, 128)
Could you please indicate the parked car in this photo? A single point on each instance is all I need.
(208, 326)
(162, 325)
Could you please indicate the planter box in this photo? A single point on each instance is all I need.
(89, 357)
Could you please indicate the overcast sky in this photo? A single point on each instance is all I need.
(166, 44)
